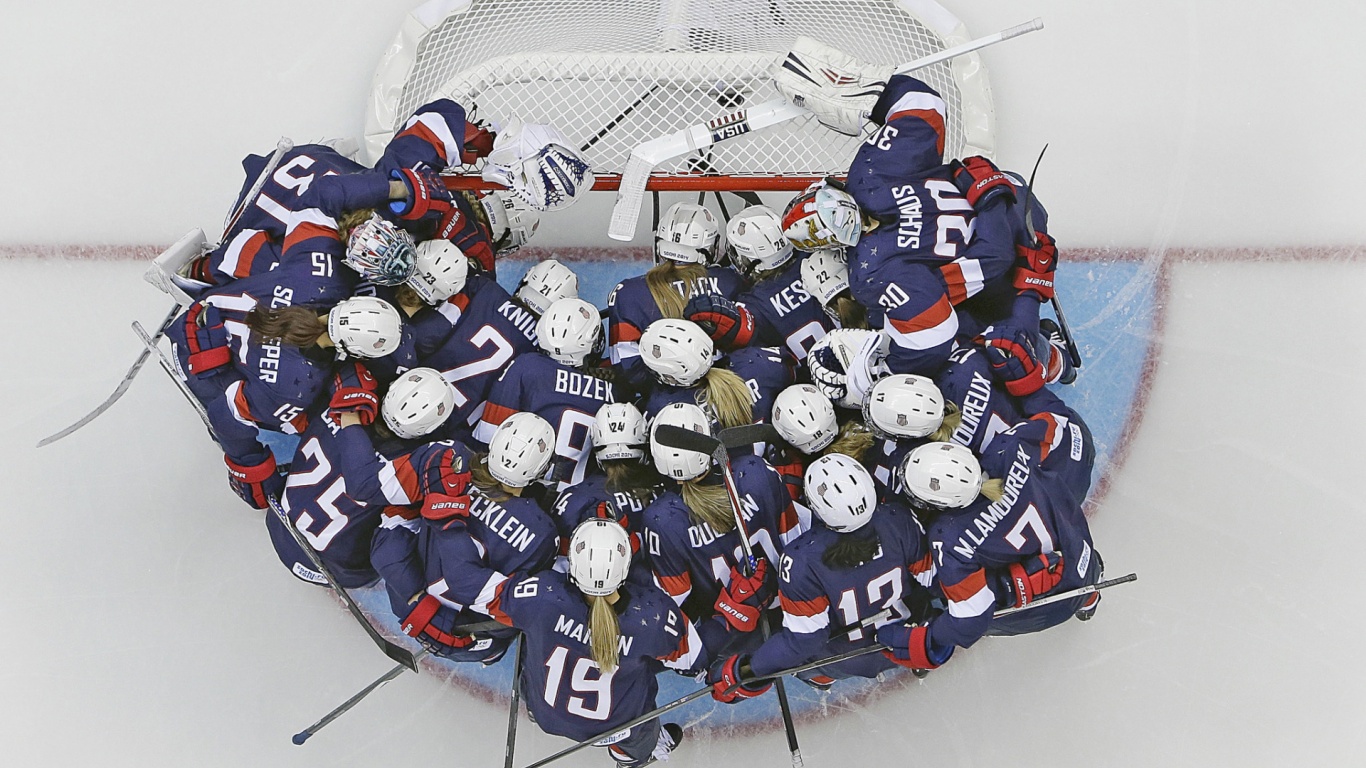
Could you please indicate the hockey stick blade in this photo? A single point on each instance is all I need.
(153, 347)
(1071, 594)
(645, 157)
(747, 435)
(307, 733)
(687, 440)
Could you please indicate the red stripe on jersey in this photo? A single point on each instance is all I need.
(676, 585)
(299, 422)
(623, 331)
(307, 230)
(407, 477)
(1049, 435)
(931, 117)
(955, 282)
(930, 318)
(923, 565)
(495, 605)
(788, 520)
(405, 513)
(804, 607)
(679, 652)
(423, 132)
(250, 249)
(496, 414)
(460, 300)
(965, 589)
(240, 401)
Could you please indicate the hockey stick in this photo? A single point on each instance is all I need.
(1073, 351)
(459, 629)
(644, 158)
(152, 345)
(284, 145)
(516, 699)
(676, 703)
(1068, 595)
(625, 113)
(677, 437)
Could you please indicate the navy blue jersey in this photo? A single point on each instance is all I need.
(565, 397)
(591, 498)
(1038, 514)
(766, 371)
(286, 187)
(692, 562)
(565, 690)
(785, 315)
(631, 308)
(816, 597)
(987, 409)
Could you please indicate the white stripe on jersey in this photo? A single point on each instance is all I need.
(978, 604)
(805, 625)
(439, 128)
(927, 338)
(918, 100)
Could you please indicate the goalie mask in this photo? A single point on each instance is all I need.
(824, 216)
(599, 556)
(687, 234)
(512, 221)
(678, 352)
(618, 432)
(840, 492)
(546, 283)
(570, 331)
(381, 252)
(535, 162)
(941, 476)
(439, 272)
(417, 403)
(756, 237)
(364, 326)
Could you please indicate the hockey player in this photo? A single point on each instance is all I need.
(691, 534)
(806, 421)
(265, 371)
(777, 306)
(544, 284)
(595, 642)
(686, 249)
(997, 543)
(628, 482)
(825, 276)
(562, 386)
(861, 558)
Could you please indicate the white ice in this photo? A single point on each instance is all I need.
(147, 622)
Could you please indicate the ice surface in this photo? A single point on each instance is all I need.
(149, 623)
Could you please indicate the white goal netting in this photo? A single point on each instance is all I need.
(612, 74)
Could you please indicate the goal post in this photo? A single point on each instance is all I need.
(614, 74)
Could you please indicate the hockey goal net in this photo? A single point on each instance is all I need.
(612, 74)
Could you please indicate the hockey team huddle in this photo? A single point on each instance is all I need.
(893, 472)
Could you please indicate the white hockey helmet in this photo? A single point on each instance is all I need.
(677, 463)
(840, 492)
(618, 432)
(419, 401)
(570, 331)
(903, 405)
(756, 237)
(381, 252)
(441, 271)
(677, 351)
(364, 326)
(687, 234)
(941, 475)
(545, 283)
(536, 162)
(805, 418)
(825, 273)
(512, 221)
(821, 217)
(599, 556)
(521, 449)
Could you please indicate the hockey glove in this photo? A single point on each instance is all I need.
(1034, 267)
(418, 624)
(726, 674)
(255, 483)
(354, 390)
(742, 602)
(1014, 360)
(728, 324)
(445, 472)
(1034, 577)
(837, 88)
(981, 182)
(910, 646)
(439, 506)
(428, 200)
(207, 339)
(479, 138)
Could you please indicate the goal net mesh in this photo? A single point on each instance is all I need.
(612, 74)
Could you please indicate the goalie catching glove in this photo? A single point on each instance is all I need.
(846, 363)
(837, 88)
(537, 164)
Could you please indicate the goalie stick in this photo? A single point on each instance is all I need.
(163, 282)
(644, 158)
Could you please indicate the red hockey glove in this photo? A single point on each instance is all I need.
(742, 602)
(439, 506)
(728, 324)
(418, 624)
(1034, 577)
(910, 646)
(478, 142)
(1034, 267)
(445, 472)
(726, 674)
(981, 181)
(1014, 360)
(255, 483)
(428, 200)
(354, 391)
(207, 339)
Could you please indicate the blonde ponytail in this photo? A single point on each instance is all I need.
(728, 397)
(993, 489)
(853, 441)
(708, 504)
(604, 633)
(952, 418)
(660, 280)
